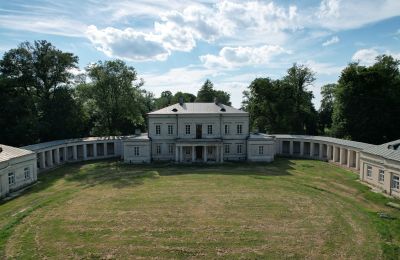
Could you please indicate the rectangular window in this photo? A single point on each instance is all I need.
(227, 129)
(381, 177)
(227, 148)
(171, 149)
(158, 129)
(158, 149)
(210, 150)
(261, 149)
(369, 171)
(209, 129)
(188, 150)
(239, 129)
(187, 128)
(239, 148)
(170, 129)
(11, 178)
(136, 151)
(396, 182)
(27, 173)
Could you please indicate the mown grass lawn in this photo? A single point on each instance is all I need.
(285, 209)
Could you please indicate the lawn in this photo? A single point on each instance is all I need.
(285, 209)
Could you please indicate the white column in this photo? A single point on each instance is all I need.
(176, 154)
(57, 155)
(205, 153)
(301, 148)
(341, 159)
(65, 156)
(75, 152)
(94, 149)
(321, 151)
(84, 152)
(334, 153)
(180, 153)
(221, 158)
(104, 149)
(50, 158)
(329, 152)
(42, 160)
(291, 147)
(358, 160)
(193, 158)
(349, 157)
(311, 149)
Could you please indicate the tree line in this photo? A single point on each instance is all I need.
(43, 99)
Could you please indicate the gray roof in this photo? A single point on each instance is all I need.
(9, 152)
(384, 151)
(39, 146)
(348, 143)
(197, 108)
(260, 136)
(139, 137)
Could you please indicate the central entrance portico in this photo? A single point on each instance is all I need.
(199, 150)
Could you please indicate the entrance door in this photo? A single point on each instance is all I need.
(198, 131)
(199, 152)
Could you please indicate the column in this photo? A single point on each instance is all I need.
(321, 151)
(84, 152)
(42, 160)
(176, 153)
(205, 153)
(329, 152)
(311, 149)
(180, 153)
(57, 155)
(104, 149)
(221, 158)
(65, 156)
(341, 158)
(334, 153)
(291, 147)
(50, 158)
(301, 148)
(349, 158)
(94, 149)
(75, 152)
(193, 158)
(357, 161)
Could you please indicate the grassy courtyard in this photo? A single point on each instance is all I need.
(286, 209)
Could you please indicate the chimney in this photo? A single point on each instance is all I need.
(216, 100)
(137, 131)
(181, 100)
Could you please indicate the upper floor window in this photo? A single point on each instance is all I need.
(136, 151)
(170, 148)
(187, 129)
(227, 148)
(209, 129)
(261, 149)
(170, 129)
(27, 173)
(369, 171)
(239, 149)
(158, 129)
(239, 129)
(158, 149)
(11, 178)
(396, 182)
(381, 177)
(227, 129)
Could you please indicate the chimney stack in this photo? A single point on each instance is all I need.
(181, 100)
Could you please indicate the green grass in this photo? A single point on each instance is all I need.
(285, 209)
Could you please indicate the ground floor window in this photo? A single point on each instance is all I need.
(27, 173)
(261, 149)
(158, 149)
(369, 171)
(171, 149)
(227, 148)
(11, 178)
(136, 151)
(239, 148)
(381, 177)
(396, 182)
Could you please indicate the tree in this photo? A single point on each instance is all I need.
(282, 106)
(326, 109)
(32, 73)
(367, 102)
(207, 93)
(117, 105)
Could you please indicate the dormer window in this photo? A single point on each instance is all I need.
(174, 110)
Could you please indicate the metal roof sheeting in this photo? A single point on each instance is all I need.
(197, 108)
(384, 151)
(9, 152)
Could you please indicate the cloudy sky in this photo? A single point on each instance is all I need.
(176, 45)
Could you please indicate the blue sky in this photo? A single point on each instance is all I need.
(176, 45)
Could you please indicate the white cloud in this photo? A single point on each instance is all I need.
(331, 41)
(127, 44)
(365, 56)
(230, 57)
(322, 68)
